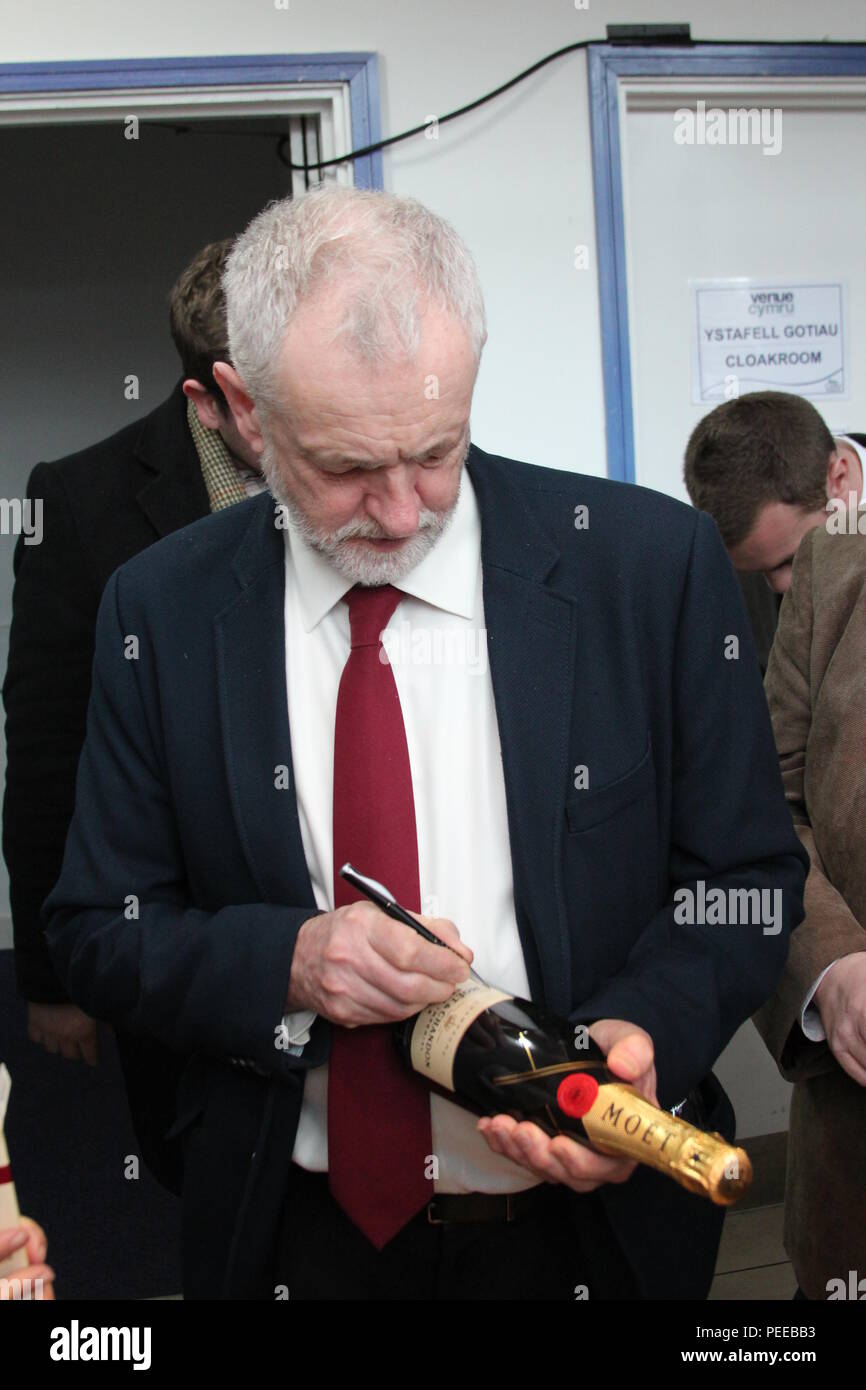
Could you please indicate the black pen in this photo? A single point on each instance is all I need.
(384, 898)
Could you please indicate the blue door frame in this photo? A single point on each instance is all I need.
(608, 64)
(359, 70)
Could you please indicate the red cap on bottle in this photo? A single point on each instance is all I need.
(576, 1093)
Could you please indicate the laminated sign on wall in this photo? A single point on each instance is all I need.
(751, 336)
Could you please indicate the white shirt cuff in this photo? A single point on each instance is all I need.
(296, 1028)
(810, 1019)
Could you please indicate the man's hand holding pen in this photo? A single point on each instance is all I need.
(355, 966)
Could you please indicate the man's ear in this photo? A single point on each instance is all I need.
(205, 403)
(241, 405)
(844, 473)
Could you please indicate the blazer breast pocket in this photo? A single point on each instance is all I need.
(585, 809)
(612, 863)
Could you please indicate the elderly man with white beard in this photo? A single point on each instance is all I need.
(248, 735)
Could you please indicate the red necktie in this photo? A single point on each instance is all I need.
(379, 1136)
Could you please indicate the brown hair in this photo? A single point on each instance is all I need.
(767, 446)
(197, 316)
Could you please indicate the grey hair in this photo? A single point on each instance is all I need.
(389, 251)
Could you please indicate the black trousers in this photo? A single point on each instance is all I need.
(547, 1254)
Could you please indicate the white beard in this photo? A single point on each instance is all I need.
(359, 563)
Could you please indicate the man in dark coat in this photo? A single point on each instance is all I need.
(556, 809)
(100, 507)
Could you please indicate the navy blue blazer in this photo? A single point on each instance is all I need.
(184, 881)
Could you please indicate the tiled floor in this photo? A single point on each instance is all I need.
(752, 1262)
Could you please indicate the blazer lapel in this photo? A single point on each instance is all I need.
(531, 641)
(251, 671)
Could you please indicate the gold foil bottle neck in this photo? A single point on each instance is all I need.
(624, 1123)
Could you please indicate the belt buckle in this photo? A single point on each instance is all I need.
(510, 1210)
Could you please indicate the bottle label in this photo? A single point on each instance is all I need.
(439, 1028)
(623, 1118)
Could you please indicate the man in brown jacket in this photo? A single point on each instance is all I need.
(815, 1025)
(764, 466)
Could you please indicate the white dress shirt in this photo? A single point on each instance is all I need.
(436, 642)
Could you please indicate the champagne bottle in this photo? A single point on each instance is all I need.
(496, 1054)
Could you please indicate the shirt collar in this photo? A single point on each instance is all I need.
(225, 477)
(446, 578)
